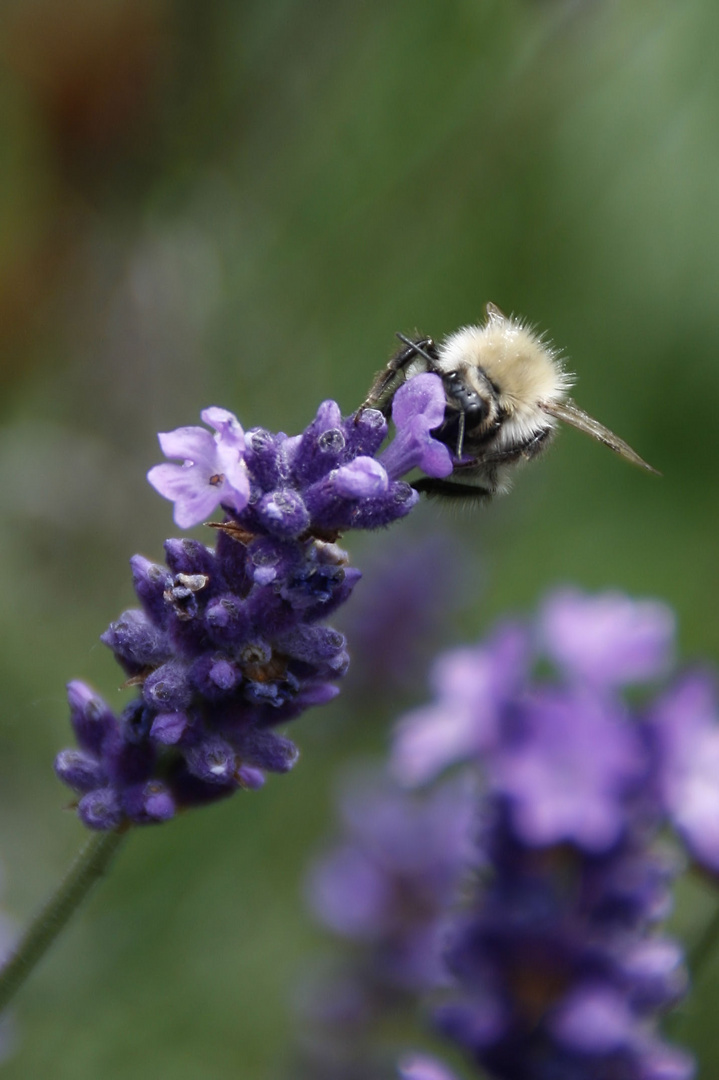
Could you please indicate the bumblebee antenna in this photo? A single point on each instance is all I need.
(414, 345)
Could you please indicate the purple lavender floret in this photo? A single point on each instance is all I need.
(560, 967)
(228, 644)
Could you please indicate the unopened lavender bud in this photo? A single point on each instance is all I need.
(227, 620)
(212, 761)
(100, 809)
(363, 478)
(213, 676)
(168, 689)
(366, 433)
(263, 458)
(321, 446)
(169, 727)
(320, 693)
(224, 674)
(269, 751)
(79, 770)
(151, 580)
(91, 718)
(250, 778)
(339, 594)
(189, 557)
(283, 513)
(312, 643)
(148, 803)
(136, 642)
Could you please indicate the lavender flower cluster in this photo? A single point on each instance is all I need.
(555, 954)
(227, 644)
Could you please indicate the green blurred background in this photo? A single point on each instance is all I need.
(239, 203)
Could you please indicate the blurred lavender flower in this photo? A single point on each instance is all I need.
(409, 594)
(685, 726)
(422, 1067)
(559, 967)
(608, 640)
(386, 889)
(227, 644)
(391, 880)
(598, 643)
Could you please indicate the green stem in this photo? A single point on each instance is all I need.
(90, 864)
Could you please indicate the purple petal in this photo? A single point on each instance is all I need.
(191, 444)
(414, 448)
(193, 497)
(421, 396)
(213, 469)
(226, 425)
(362, 478)
(417, 408)
(607, 639)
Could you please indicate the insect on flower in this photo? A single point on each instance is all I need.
(505, 390)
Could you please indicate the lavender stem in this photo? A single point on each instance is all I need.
(89, 865)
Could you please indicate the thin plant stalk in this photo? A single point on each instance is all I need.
(89, 866)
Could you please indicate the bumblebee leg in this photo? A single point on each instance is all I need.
(457, 492)
(519, 452)
(389, 380)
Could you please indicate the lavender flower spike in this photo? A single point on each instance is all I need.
(213, 469)
(227, 645)
(558, 960)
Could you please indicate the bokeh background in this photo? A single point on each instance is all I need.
(239, 203)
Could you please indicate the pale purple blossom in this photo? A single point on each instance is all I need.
(213, 469)
(608, 639)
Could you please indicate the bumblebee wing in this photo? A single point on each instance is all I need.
(574, 416)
